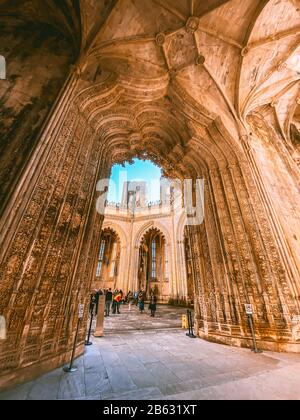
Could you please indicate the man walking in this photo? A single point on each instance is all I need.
(108, 302)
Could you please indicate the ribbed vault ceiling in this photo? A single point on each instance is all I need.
(160, 77)
(177, 66)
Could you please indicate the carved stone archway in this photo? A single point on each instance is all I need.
(154, 264)
(137, 243)
(204, 89)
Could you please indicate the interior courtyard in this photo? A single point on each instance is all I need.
(209, 93)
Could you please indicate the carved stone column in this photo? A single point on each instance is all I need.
(237, 260)
(48, 257)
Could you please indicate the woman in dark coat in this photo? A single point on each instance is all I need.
(152, 306)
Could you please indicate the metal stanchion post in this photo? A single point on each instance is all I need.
(249, 312)
(255, 350)
(71, 368)
(88, 342)
(192, 328)
(190, 321)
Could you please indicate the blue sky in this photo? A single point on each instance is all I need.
(139, 171)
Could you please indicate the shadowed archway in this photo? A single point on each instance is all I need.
(153, 268)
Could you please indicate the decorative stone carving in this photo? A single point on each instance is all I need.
(160, 39)
(192, 24)
(200, 60)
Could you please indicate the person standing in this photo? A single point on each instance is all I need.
(153, 304)
(108, 302)
(141, 301)
(119, 301)
(130, 300)
(122, 297)
(116, 302)
(136, 298)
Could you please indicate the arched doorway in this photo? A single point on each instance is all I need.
(107, 272)
(153, 271)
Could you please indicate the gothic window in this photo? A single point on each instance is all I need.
(101, 258)
(113, 261)
(154, 259)
(166, 263)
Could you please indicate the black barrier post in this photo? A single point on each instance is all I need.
(88, 342)
(255, 350)
(249, 312)
(190, 321)
(192, 330)
(71, 368)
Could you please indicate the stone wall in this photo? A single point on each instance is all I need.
(49, 252)
(38, 62)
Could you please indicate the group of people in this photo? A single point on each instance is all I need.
(139, 299)
(114, 299)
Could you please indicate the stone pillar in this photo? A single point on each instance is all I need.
(182, 269)
(49, 248)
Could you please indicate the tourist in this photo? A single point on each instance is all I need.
(152, 306)
(122, 297)
(108, 302)
(136, 298)
(116, 302)
(126, 300)
(130, 300)
(119, 301)
(141, 301)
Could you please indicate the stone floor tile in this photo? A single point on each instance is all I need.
(139, 395)
(71, 386)
(120, 379)
(19, 393)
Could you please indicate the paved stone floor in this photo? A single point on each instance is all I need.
(164, 364)
(167, 317)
